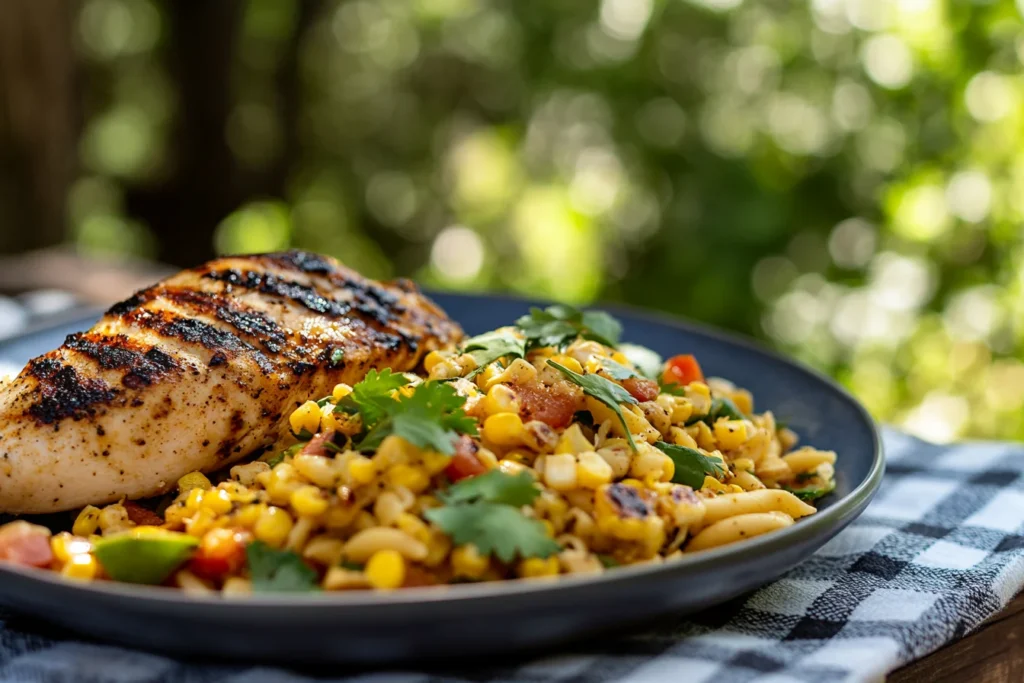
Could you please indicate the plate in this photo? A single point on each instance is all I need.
(492, 618)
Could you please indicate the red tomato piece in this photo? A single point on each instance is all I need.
(682, 370)
(25, 544)
(221, 552)
(464, 463)
(141, 515)
(551, 405)
(641, 389)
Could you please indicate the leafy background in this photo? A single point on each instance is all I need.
(843, 178)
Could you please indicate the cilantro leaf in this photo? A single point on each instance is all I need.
(720, 407)
(673, 388)
(432, 417)
(691, 465)
(489, 347)
(291, 450)
(607, 561)
(493, 487)
(372, 396)
(618, 370)
(809, 493)
(501, 530)
(648, 362)
(605, 391)
(278, 571)
(559, 324)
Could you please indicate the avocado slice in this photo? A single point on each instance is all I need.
(144, 554)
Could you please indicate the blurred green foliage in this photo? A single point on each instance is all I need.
(844, 178)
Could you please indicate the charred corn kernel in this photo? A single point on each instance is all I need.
(340, 391)
(560, 472)
(568, 362)
(324, 550)
(434, 461)
(468, 562)
(217, 501)
(447, 368)
(573, 441)
(317, 469)
(730, 433)
(408, 477)
(712, 484)
(247, 515)
(386, 570)
(593, 365)
(114, 518)
(305, 418)
(194, 480)
(535, 567)
(236, 586)
(273, 527)
(518, 371)
(504, 429)
(328, 421)
(432, 359)
(87, 522)
(485, 378)
(500, 398)
(414, 526)
(308, 501)
(511, 466)
(592, 470)
(361, 469)
(82, 566)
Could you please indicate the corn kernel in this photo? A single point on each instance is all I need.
(385, 570)
(87, 522)
(394, 449)
(592, 470)
(568, 362)
(468, 562)
(308, 501)
(317, 469)
(730, 433)
(194, 499)
(82, 566)
(485, 378)
(573, 441)
(201, 522)
(560, 472)
(534, 567)
(434, 462)
(408, 477)
(511, 466)
(504, 429)
(305, 418)
(500, 398)
(273, 527)
(114, 518)
(217, 501)
(432, 359)
(340, 391)
(194, 480)
(248, 515)
(361, 469)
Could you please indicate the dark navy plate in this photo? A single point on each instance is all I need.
(490, 618)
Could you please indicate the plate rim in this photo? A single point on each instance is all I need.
(838, 515)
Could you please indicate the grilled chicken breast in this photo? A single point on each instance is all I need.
(199, 371)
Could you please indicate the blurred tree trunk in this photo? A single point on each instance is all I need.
(38, 120)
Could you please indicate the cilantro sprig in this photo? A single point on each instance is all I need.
(647, 361)
(720, 407)
(431, 417)
(691, 465)
(605, 391)
(618, 370)
(489, 347)
(559, 324)
(278, 571)
(485, 511)
(371, 397)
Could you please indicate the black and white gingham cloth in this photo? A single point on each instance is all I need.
(939, 551)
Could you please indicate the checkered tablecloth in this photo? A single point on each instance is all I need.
(940, 550)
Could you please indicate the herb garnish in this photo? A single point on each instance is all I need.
(431, 417)
(278, 571)
(605, 391)
(489, 347)
(691, 466)
(559, 324)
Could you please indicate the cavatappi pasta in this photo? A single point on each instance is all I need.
(535, 450)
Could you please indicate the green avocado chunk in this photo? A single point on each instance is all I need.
(144, 555)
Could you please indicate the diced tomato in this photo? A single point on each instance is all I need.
(221, 552)
(142, 516)
(682, 370)
(641, 389)
(318, 444)
(25, 544)
(551, 405)
(464, 463)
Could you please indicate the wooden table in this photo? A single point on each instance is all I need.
(992, 654)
